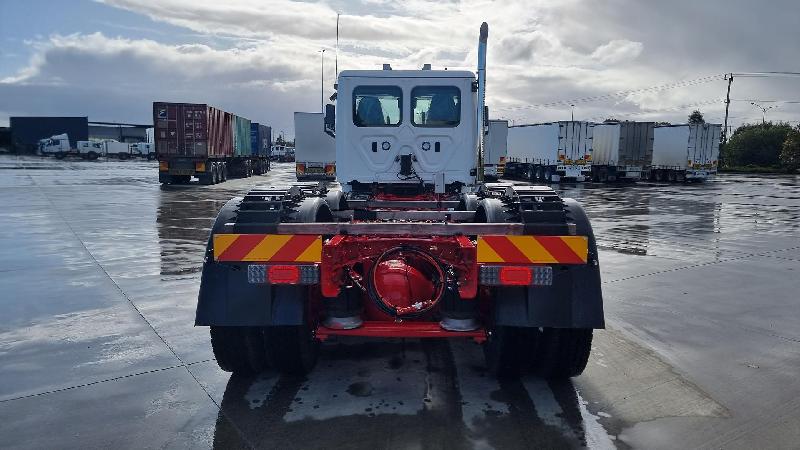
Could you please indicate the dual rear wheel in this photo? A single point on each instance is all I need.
(552, 353)
(246, 350)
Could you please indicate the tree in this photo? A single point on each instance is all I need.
(612, 120)
(790, 153)
(696, 117)
(756, 145)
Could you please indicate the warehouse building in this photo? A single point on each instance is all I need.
(122, 132)
(27, 131)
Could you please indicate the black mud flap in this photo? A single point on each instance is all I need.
(575, 298)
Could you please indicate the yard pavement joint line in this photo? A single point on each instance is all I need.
(710, 263)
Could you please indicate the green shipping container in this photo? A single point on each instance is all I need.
(241, 136)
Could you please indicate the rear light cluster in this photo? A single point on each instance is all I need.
(330, 169)
(200, 166)
(283, 274)
(163, 166)
(300, 168)
(516, 275)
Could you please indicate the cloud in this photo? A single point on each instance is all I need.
(618, 51)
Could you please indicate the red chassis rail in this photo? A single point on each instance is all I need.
(413, 330)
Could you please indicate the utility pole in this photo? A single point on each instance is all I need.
(336, 59)
(728, 77)
(322, 84)
(572, 108)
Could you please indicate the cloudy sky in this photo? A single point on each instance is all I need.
(629, 59)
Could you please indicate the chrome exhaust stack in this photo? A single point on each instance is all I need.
(484, 36)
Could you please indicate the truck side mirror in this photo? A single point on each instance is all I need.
(330, 119)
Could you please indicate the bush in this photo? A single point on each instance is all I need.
(757, 145)
(790, 153)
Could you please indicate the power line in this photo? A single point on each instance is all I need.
(657, 88)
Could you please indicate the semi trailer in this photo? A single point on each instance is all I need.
(260, 144)
(622, 150)
(198, 140)
(548, 152)
(687, 152)
(496, 150)
(314, 148)
(412, 245)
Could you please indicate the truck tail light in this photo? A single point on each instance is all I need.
(300, 168)
(200, 166)
(330, 169)
(283, 274)
(516, 275)
(163, 166)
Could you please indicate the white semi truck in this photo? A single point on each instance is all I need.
(548, 152)
(496, 150)
(314, 149)
(622, 150)
(116, 149)
(685, 152)
(57, 145)
(145, 150)
(91, 149)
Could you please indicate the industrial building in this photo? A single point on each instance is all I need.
(122, 132)
(27, 131)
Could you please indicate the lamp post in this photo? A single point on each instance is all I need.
(322, 82)
(763, 111)
(572, 108)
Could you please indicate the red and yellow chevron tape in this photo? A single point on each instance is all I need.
(533, 249)
(283, 248)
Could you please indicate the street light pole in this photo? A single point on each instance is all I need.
(322, 83)
(763, 111)
(573, 112)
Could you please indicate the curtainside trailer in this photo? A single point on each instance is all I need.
(192, 140)
(622, 150)
(314, 149)
(550, 151)
(685, 152)
(241, 164)
(260, 143)
(494, 163)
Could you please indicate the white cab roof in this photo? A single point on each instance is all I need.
(406, 74)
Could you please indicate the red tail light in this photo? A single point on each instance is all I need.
(516, 276)
(330, 169)
(300, 168)
(284, 274)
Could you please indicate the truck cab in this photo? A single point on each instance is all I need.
(406, 127)
(57, 146)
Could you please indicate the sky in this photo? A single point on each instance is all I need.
(626, 59)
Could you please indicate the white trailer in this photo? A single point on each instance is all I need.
(90, 149)
(144, 149)
(314, 149)
(550, 151)
(494, 158)
(685, 152)
(57, 146)
(621, 150)
(115, 149)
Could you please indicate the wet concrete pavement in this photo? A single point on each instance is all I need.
(99, 271)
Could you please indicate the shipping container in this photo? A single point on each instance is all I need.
(685, 152)
(314, 149)
(621, 150)
(494, 158)
(241, 136)
(550, 151)
(260, 143)
(26, 132)
(195, 139)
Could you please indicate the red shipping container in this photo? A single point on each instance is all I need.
(192, 129)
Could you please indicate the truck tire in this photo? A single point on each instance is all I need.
(530, 174)
(562, 352)
(59, 155)
(239, 349)
(548, 175)
(91, 156)
(292, 350)
(506, 350)
(151, 156)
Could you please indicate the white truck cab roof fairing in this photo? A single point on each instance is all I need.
(383, 115)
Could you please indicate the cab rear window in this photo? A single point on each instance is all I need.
(377, 106)
(436, 106)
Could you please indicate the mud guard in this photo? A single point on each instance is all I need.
(227, 298)
(574, 300)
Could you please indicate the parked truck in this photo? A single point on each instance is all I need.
(146, 150)
(314, 149)
(496, 150)
(411, 244)
(57, 146)
(687, 152)
(116, 149)
(198, 140)
(260, 144)
(622, 150)
(91, 149)
(548, 152)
